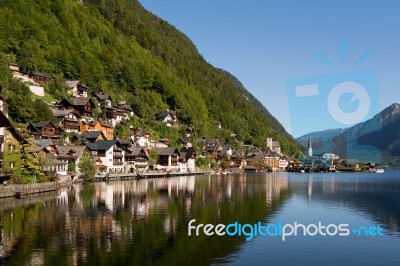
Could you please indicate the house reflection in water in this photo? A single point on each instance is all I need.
(137, 217)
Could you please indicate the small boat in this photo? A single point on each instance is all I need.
(380, 171)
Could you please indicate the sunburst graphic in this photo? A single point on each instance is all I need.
(364, 56)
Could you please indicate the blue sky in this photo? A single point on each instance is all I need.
(271, 45)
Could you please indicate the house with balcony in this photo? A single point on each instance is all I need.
(186, 141)
(187, 156)
(106, 128)
(140, 137)
(168, 158)
(83, 106)
(126, 108)
(45, 130)
(47, 144)
(76, 88)
(102, 98)
(109, 154)
(72, 156)
(136, 159)
(168, 117)
(68, 119)
(50, 163)
(115, 115)
(93, 136)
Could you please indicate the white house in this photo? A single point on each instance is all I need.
(108, 154)
(168, 117)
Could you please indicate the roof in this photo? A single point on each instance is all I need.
(58, 112)
(256, 154)
(78, 101)
(70, 151)
(125, 141)
(212, 141)
(212, 148)
(92, 134)
(41, 124)
(136, 151)
(38, 149)
(101, 145)
(103, 124)
(38, 126)
(102, 96)
(189, 151)
(166, 151)
(270, 153)
(39, 74)
(80, 137)
(185, 139)
(162, 115)
(43, 143)
(72, 83)
(226, 146)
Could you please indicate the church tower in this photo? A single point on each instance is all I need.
(309, 148)
(269, 143)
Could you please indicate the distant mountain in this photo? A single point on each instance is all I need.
(377, 139)
(382, 132)
(318, 137)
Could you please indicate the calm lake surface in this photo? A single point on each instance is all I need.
(145, 222)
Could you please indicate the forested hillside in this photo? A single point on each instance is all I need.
(127, 52)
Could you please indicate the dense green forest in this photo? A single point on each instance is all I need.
(129, 53)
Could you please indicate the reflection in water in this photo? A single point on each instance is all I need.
(374, 194)
(145, 221)
(137, 222)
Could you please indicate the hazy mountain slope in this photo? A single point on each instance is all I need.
(373, 140)
(320, 135)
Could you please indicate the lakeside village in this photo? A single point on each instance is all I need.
(59, 147)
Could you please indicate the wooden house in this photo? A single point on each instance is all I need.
(45, 129)
(76, 88)
(168, 157)
(136, 158)
(106, 128)
(68, 119)
(84, 106)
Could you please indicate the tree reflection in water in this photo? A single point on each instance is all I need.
(137, 222)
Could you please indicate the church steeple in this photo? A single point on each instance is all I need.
(309, 147)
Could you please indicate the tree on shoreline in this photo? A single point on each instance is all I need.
(86, 167)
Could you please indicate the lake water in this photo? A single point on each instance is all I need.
(145, 222)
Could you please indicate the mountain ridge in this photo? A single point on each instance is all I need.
(377, 139)
(135, 56)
